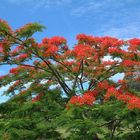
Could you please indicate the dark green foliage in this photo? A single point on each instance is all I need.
(29, 29)
(4, 27)
(84, 123)
(31, 120)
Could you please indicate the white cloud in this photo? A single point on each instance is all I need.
(128, 31)
(90, 6)
(87, 7)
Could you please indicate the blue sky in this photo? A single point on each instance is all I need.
(119, 18)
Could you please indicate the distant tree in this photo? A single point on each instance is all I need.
(57, 92)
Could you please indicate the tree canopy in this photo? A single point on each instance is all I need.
(57, 92)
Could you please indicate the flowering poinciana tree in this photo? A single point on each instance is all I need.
(93, 105)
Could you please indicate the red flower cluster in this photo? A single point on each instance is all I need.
(116, 51)
(18, 69)
(21, 57)
(134, 44)
(131, 100)
(111, 42)
(2, 77)
(128, 63)
(1, 47)
(50, 46)
(56, 40)
(86, 99)
(83, 51)
(111, 92)
(134, 102)
(103, 85)
(88, 39)
(37, 98)
(104, 42)
(51, 50)
(14, 70)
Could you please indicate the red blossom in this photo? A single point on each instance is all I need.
(14, 70)
(131, 100)
(37, 98)
(88, 40)
(21, 57)
(56, 40)
(128, 63)
(76, 100)
(1, 47)
(116, 51)
(111, 92)
(52, 50)
(134, 102)
(45, 40)
(134, 44)
(111, 42)
(83, 51)
(103, 85)
(93, 93)
(86, 99)
(2, 77)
